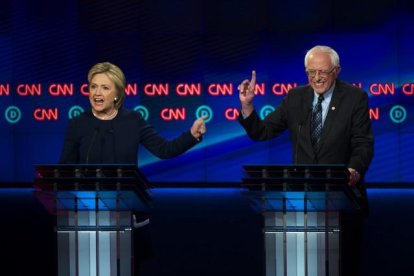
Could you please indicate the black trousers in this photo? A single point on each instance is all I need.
(351, 243)
(142, 246)
(352, 230)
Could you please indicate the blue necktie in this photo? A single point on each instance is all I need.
(316, 125)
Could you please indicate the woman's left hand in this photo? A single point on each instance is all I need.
(199, 127)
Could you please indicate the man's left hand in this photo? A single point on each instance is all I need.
(354, 177)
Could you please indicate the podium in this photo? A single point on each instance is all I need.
(301, 206)
(93, 205)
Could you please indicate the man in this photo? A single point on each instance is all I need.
(346, 135)
(328, 120)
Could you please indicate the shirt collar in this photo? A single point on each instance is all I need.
(327, 94)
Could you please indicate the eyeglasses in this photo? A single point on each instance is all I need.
(321, 73)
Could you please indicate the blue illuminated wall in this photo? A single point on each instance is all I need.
(49, 44)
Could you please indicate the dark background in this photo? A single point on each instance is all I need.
(204, 42)
(201, 231)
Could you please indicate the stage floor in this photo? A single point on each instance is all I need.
(203, 231)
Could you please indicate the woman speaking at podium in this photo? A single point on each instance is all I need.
(111, 134)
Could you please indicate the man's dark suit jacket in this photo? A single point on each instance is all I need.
(116, 141)
(346, 135)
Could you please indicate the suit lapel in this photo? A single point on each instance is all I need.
(307, 107)
(332, 112)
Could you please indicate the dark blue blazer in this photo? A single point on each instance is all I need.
(116, 141)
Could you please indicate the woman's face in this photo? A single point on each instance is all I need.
(102, 94)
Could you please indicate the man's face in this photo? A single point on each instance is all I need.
(321, 72)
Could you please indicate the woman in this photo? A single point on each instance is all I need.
(110, 134)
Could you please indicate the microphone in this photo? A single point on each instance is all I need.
(95, 133)
(301, 123)
(112, 132)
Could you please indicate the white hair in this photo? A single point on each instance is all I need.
(326, 49)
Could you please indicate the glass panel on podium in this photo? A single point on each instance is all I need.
(301, 207)
(93, 205)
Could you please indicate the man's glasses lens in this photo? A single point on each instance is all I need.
(323, 74)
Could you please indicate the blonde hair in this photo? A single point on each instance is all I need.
(115, 74)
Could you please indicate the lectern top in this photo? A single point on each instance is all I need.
(296, 174)
(86, 186)
(319, 187)
(89, 174)
(55, 170)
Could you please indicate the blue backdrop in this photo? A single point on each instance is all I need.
(49, 44)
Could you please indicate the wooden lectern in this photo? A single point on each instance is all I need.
(301, 206)
(93, 205)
